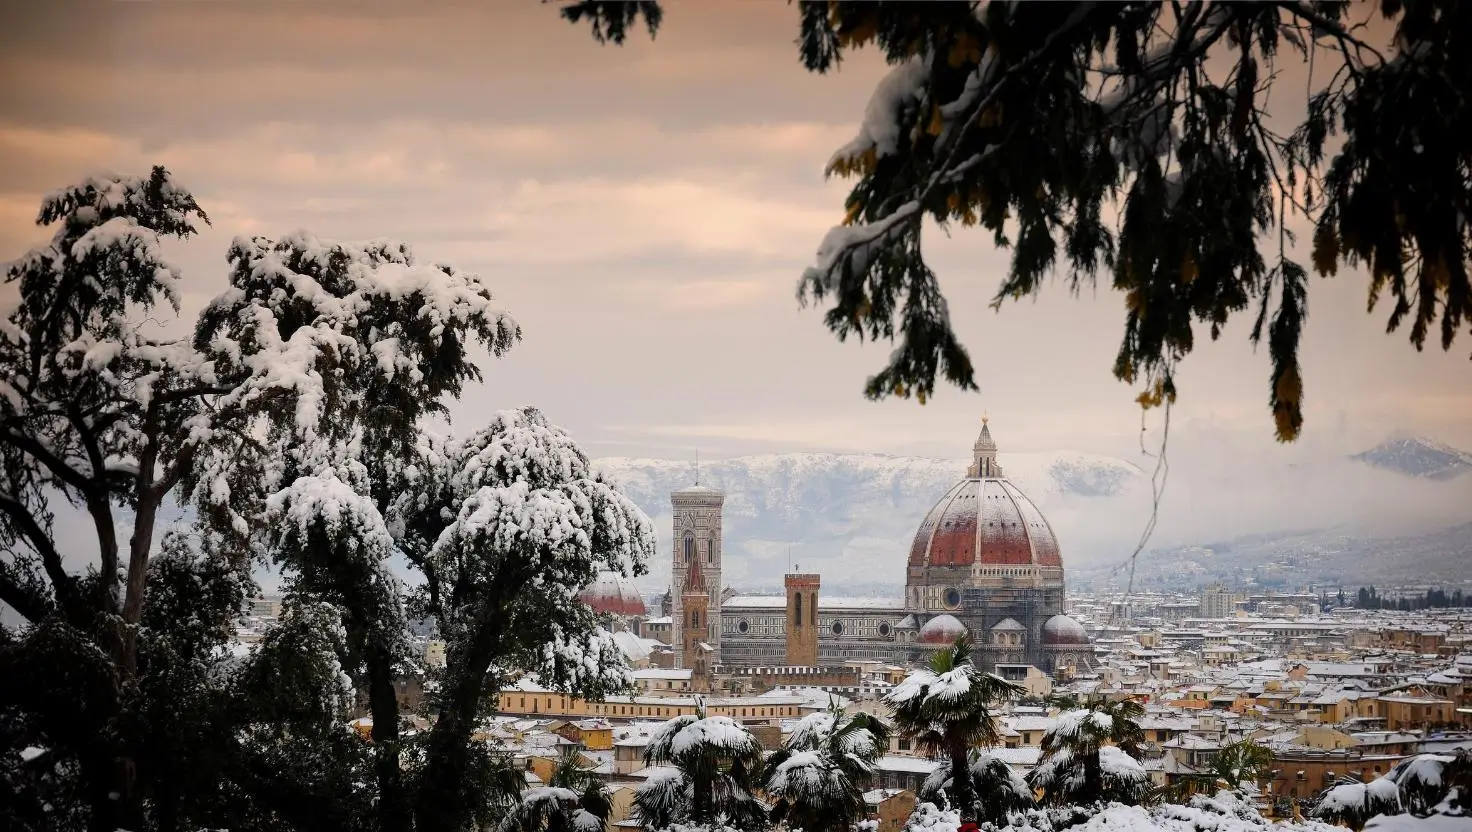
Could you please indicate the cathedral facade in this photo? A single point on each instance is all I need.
(983, 561)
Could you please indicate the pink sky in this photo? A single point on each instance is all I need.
(645, 213)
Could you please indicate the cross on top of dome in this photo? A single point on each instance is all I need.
(984, 454)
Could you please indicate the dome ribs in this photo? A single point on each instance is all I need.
(954, 541)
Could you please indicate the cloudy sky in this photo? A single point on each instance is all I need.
(644, 212)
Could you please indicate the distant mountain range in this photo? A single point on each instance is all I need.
(1418, 457)
(1286, 560)
(852, 517)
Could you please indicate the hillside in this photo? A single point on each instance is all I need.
(1277, 519)
(1418, 457)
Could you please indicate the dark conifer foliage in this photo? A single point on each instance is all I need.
(1133, 139)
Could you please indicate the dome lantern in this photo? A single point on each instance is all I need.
(984, 455)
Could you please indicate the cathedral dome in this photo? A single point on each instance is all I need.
(613, 593)
(985, 520)
(942, 630)
(1062, 631)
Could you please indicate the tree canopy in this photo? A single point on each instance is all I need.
(291, 431)
(1136, 140)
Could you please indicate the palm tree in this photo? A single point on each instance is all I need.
(998, 788)
(816, 777)
(1240, 762)
(1353, 803)
(572, 801)
(947, 710)
(1091, 755)
(714, 764)
(1426, 781)
(1064, 701)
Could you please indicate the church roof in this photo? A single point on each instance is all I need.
(1061, 630)
(613, 593)
(985, 520)
(835, 604)
(941, 630)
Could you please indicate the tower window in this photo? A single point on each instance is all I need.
(689, 546)
(797, 611)
(695, 618)
(710, 551)
(813, 610)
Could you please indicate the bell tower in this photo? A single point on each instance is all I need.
(802, 619)
(695, 653)
(697, 536)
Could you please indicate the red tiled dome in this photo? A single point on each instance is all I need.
(985, 521)
(612, 593)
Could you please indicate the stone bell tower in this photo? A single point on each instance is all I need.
(802, 619)
(697, 536)
(695, 652)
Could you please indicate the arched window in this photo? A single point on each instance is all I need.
(813, 610)
(710, 551)
(689, 546)
(695, 618)
(797, 611)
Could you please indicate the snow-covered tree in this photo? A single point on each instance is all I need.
(713, 766)
(946, 710)
(999, 790)
(816, 777)
(1424, 793)
(928, 817)
(1089, 755)
(1040, 122)
(1225, 811)
(506, 526)
(294, 425)
(336, 353)
(94, 409)
(572, 801)
(1351, 803)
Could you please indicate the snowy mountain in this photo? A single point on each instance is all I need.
(1418, 457)
(851, 516)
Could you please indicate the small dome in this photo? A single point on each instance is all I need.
(942, 630)
(1060, 631)
(1008, 624)
(633, 647)
(612, 593)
